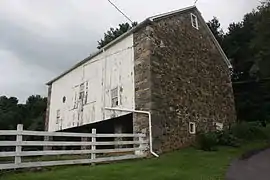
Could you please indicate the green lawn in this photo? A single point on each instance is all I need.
(186, 164)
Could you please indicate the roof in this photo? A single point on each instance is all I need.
(135, 29)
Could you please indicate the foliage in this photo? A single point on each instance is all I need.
(237, 134)
(31, 114)
(252, 100)
(207, 141)
(225, 138)
(266, 132)
(248, 131)
(114, 33)
(261, 42)
(10, 112)
(214, 26)
(247, 45)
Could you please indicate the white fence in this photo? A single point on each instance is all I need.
(138, 145)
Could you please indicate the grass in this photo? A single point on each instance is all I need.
(186, 164)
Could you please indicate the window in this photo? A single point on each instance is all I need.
(194, 21)
(114, 97)
(81, 95)
(64, 99)
(57, 116)
(192, 128)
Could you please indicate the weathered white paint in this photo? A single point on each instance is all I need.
(111, 69)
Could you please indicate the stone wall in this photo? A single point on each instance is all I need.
(48, 138)
(142, 79)
(48, 108)
(189, 80)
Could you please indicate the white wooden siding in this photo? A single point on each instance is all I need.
(110, 69)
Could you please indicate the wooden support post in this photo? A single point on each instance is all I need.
(84, 139)
(93, 146)
(118, 129)
(48, 138)
(18, 146)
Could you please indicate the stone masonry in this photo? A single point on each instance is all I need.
(142, 77)
(181, 77)
(47, 138)
(48, 108)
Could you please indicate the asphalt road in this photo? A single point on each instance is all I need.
(257, 167)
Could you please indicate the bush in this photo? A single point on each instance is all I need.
(207, 141)
(233, 137)
(248, 131)
(225, 138)
(266, 132)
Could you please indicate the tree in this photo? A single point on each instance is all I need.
(36, 110)
(112, 33)
(247, 44)
(261, 41)
(9, 112)
(214, 26)
(31, 114)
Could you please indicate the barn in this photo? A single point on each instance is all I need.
(167, 77)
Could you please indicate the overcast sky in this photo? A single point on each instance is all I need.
(41, 38)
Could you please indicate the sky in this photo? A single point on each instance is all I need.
(39, 39)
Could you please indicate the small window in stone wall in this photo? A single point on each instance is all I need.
(192, 127)
(114, 97)
(194, 21)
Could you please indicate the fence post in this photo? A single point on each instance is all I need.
(18, 146)
(84, 139)
(48, 138)
(93, 146)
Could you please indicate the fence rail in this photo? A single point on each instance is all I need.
(68, 143)
(89, 142)
(60, 134)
